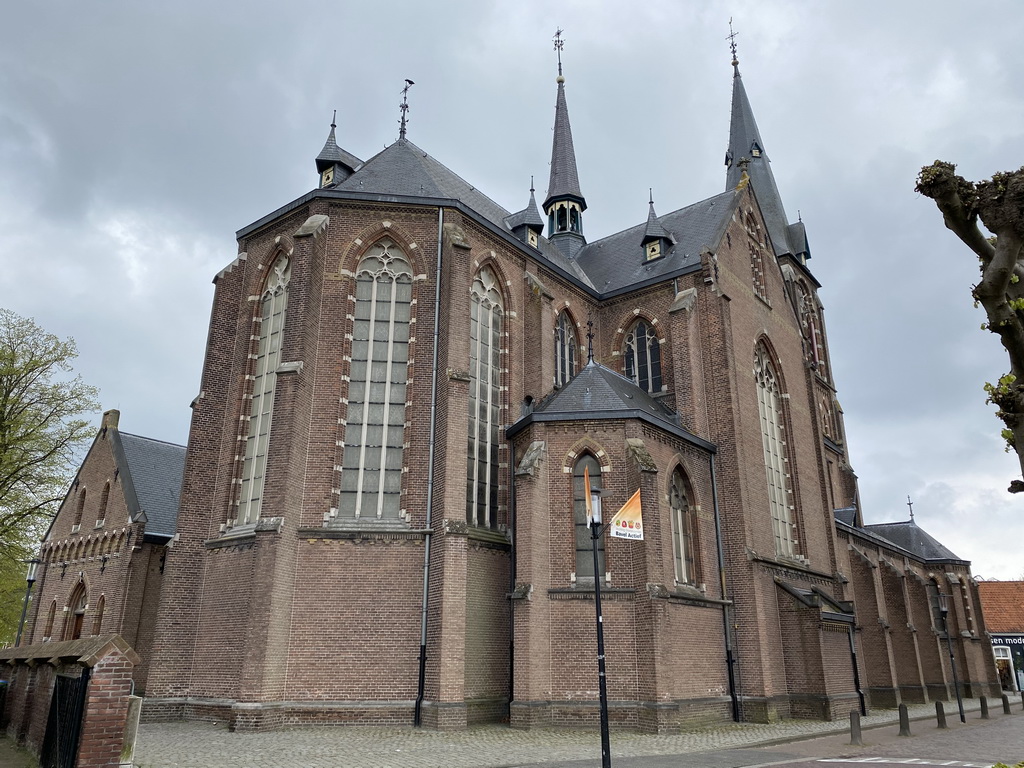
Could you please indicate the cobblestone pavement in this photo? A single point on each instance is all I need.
(189, 744)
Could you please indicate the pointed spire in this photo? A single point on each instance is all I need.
(654, 230)
(335, 161)
(746, 160)
(527, 224)
(565, 202)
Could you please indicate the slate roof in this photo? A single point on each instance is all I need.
(598, 392)
(332, 153)
(653, 230)
(152, 483)
(529, 216)
(564, 180)
(617, 262)
(1002, 603)
(743, 135)
(846, 515)
(909, 536)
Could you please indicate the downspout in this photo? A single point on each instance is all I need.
(730, 655)
(421, 684)
(511, 574)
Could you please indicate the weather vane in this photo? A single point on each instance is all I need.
(590, 340)
(559, 42)
(732, 43)
(404, 106)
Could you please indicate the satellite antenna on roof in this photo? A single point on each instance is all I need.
(404, 106)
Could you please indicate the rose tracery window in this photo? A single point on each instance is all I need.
(371, 476)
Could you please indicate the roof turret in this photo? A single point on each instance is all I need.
(653, 230)
(335, 161)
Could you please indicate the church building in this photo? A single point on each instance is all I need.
(383, 513)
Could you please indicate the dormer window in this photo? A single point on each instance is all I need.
(327, 177)
(755, 150)
(653, 250)
(531, 238)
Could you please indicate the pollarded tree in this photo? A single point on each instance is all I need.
(41, 427)
(999, 204)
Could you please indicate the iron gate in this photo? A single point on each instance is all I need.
(64, 726)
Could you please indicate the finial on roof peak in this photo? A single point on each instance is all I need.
(334, 119)
(532, 190)
(732, 46)
(404, 107)
(590, 340)
(650, 193)
(559, 42)
(911, 505)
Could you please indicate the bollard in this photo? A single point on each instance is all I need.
(855, 737)
(984, 707)
(904, 721)
(940, 715)
(1006, 704)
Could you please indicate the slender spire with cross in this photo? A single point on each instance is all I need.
(559, 42)
(590, 340)
(732, 43)
(911, 505)
(404, 106)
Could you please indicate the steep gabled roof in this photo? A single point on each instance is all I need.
(1003, 605)
(598, 392)
(151, 473)
(909, 536)
(617, 262)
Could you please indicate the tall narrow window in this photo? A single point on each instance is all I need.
(76, 620)
(485, 329)
(371, 476)
(566, 349)
(48, 629)
(769, 405)
(584, 541)
(642, 357)
(79, 509)
(756, 248)
(97, 621)
(104, 499)
(682, 530)
(273, 305)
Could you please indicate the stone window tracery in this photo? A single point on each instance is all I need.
(371, 476)
(769, 405)
(642, 357)
(273, 308)
(485, 334)
(566, 349)
(682, 530)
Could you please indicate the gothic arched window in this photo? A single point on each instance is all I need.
(97, 621)
(76, 619)
(810, 322)
(371, 475)
(683, 530)
(485, 332)
(584, 542)
(273, 306)
(104, 499)
(50, 616)
(566, 349)
(79, 509)
(642, 357)
(769, 406)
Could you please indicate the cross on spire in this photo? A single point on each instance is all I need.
(559, 42)
(404, 107)
(731, 37)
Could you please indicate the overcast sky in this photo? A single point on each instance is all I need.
(136, 138)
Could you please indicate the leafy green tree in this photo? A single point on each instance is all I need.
(41, 435)
(998, 203)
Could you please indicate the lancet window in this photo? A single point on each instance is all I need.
(683, 530)
(584, 540)
(485, 333)
(769, 405)
(270, 331)
(642, 357)
(566, 349)
(371, 476)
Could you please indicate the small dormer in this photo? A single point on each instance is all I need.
(333, 163)
(527, 224)
(656, 240)
(755, 149)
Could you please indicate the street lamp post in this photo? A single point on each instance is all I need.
(30, 577)
(596, 529)
(944, 610)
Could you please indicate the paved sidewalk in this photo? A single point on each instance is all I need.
(181, 745)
